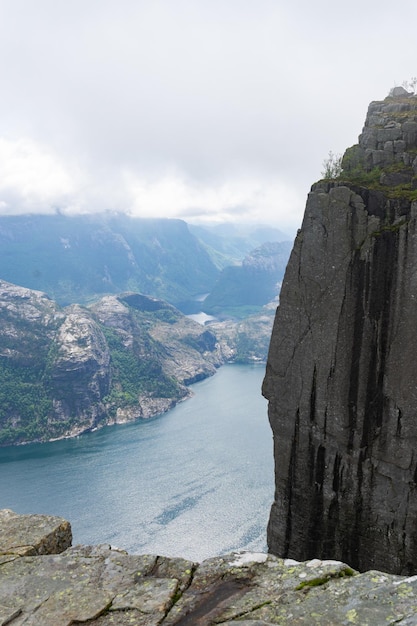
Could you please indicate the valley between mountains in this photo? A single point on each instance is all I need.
(71, 367)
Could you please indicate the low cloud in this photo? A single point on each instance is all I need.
(32, 178)
(247, 200)
(194, 109)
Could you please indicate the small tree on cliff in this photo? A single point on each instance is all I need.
(332, 166)
(411, 84)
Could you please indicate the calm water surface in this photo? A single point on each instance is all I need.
(194, 482)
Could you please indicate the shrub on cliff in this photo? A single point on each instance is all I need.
(332, 166)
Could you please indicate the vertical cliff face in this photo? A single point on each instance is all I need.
(341, 375)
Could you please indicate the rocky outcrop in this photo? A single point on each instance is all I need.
(341, 376)
(30, 535)
(387, 144)
(247, 339)
(64, 371)
(79, 372)
(104, 586)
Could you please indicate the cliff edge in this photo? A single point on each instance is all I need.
(45, 582)
(341, 376)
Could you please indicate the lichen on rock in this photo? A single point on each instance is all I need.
(101, 586)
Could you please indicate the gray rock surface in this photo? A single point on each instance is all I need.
(388, 139)
(103, 586)
(341, 377)
(28, 535)
(80, 373)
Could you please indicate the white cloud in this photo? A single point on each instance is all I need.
(221, 110)
(34, 179)
(244, 200)
(31, 177)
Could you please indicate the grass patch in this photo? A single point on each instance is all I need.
(322, 580)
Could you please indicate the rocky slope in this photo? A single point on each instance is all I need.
(342, 374)
(248, 339)
(44, 582)
(67, 370)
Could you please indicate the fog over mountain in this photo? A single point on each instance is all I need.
(198, 110)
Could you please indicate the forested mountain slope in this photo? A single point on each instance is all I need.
(67, 370)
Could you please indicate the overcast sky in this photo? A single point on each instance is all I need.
(198, 109)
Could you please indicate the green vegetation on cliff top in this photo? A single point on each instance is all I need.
(396, 179)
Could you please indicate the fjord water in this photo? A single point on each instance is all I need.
(194, 482)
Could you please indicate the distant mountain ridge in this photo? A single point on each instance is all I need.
(79, 258)
(252, 284)
(68, 370)
(88, 348)
(229, 243)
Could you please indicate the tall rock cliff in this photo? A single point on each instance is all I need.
(341, 376)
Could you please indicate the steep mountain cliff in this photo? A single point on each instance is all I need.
(67, 370)
(341, 376)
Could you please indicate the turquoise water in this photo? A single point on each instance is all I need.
(194, 482)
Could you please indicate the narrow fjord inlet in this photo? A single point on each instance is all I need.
(194, 482)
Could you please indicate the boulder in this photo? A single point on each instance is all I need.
(388, 138)
(399, 92)
(27, 535)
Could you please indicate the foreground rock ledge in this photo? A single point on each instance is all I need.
(103, 586)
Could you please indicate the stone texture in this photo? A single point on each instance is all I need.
(101, 586)
(341, 376)
(80, 375)
(389, 137)
(26, 535)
